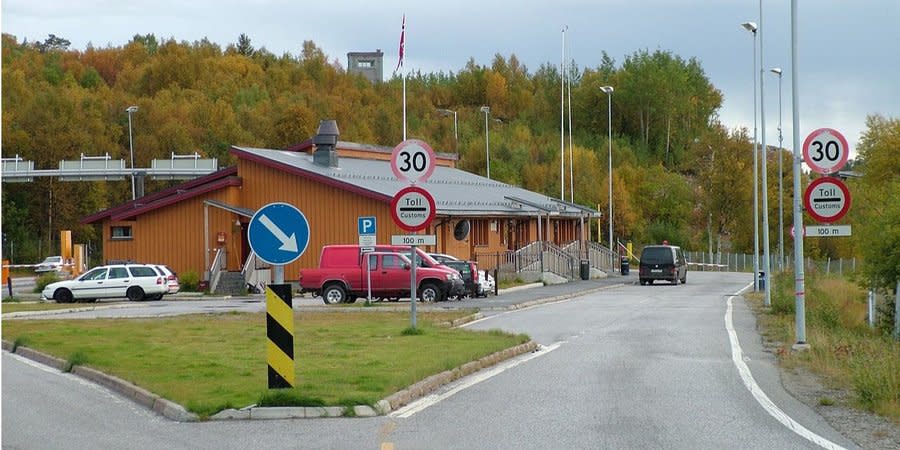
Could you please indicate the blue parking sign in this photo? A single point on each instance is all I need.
(366, 225)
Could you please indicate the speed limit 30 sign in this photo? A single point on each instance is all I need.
(825, 151)
(412, 160)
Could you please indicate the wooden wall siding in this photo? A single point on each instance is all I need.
(174, 235)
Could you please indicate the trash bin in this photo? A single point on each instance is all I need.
(626, 266)
(762, 280)
(585, 269)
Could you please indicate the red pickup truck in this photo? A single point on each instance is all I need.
(341, 276)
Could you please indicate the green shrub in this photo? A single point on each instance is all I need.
(44, 280)
(189, 281)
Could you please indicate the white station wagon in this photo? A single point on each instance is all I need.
(135, 282)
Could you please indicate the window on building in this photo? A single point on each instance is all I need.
(365, 63)
(480, 232)
(120, 232)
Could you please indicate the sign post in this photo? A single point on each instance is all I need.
(412, 208)
(367, 227)
(279, 234)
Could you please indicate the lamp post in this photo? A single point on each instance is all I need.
(447, 112)
(777, 71)
(609, 90)
(130, 110)
(751, 27)
(487, 140)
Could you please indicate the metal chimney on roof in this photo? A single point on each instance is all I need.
(325, 141)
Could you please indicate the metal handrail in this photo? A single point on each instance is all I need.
(215, 270)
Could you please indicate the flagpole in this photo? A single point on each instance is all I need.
(562, 118)
(403, 74)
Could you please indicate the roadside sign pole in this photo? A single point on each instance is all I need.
(799, 282)
(412, 285)
(369, 276)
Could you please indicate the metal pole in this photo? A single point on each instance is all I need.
(764, 189)
(412, 285)
(456, 133)
(571, 164)
(780, 181)
(130, 110)
(609, 138)
(799, 281)
(755, 180)
(897, 311)
(487, 140)
(562, 118)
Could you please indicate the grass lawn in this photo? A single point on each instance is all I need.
(212, 362)
(843, 349)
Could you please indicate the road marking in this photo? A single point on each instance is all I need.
(478, 377)
(760, 396)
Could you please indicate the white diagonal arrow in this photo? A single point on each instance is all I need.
(288, 244)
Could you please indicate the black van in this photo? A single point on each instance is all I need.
(662, 262)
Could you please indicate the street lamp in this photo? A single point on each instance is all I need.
(487, 140)
(609, 90)
(130, 110)
(447, 112)
(751, 27)
(777, 71)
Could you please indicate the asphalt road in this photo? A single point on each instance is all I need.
(624, 366)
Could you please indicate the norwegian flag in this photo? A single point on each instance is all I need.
(402, 37)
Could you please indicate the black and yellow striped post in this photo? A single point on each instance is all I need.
(280, 334)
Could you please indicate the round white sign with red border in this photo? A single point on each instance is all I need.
(413, 208)
(825, 151)
(412, 160)
(827, 199)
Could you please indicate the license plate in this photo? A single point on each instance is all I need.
(656, 270)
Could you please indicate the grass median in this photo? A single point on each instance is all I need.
(212, 362)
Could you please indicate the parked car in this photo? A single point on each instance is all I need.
(662, 262)
(442, 258)
(50, 264)
(469, 273)
(486, 283)
(171, 278)
(135, 282)
(341, 276)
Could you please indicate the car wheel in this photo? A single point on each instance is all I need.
(63, 296)
(643, 282)
(134, 294)
(684, 279)
(430, 293)
(156, 297)
(334, 294)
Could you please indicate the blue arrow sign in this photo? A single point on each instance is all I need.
(278, 233)
(366, 225)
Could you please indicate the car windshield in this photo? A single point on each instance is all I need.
(52, 259)
(656, 255)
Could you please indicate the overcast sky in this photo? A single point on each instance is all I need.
(849, 51)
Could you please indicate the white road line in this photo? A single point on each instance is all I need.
(758, 394)
(430, 400)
